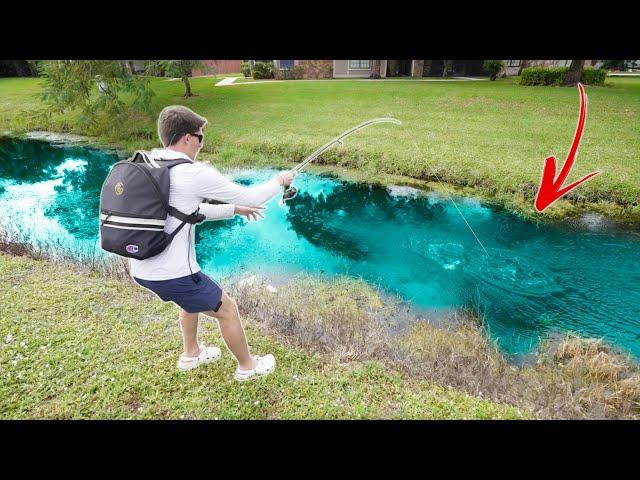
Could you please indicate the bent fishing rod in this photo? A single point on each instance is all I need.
(291, 191)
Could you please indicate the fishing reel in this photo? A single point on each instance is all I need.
(289, 193)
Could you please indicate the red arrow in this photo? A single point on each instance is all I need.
(550, 187)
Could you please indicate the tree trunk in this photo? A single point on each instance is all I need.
(523, 64)
(446, 68)
(426, 69)
(375, 69)
(393, 66)
(503, 71)
(575, 73)
(187, 87)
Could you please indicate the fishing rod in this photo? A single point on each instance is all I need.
(291, 191)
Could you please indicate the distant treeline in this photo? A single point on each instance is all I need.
(17, 68)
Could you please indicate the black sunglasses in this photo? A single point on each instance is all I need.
(199, 135)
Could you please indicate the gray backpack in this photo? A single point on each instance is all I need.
(134, 204)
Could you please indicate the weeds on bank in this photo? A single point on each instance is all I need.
(574, 378)
(88, 261)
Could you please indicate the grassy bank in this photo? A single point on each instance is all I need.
(74, 345)
(488, 138)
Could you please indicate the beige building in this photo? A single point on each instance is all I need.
(401, 68)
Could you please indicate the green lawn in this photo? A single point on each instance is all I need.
(78, 346)
(489, 137)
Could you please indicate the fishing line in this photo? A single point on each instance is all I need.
(451, 197)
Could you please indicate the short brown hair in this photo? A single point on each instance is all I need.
(176, 121)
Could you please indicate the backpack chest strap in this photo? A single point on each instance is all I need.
(193, 218)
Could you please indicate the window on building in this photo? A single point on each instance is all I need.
(513, 63)
(286, 64)
(359, 64)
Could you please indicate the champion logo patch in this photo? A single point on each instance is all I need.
(132, 248)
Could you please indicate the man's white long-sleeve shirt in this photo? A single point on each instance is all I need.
(191, 183)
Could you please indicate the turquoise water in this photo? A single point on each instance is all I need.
(536, 279)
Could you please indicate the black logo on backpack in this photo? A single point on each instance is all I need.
(134, 204)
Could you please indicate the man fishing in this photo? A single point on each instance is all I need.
(174, 274)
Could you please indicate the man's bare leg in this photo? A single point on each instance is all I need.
(232, 332)
(189, 327)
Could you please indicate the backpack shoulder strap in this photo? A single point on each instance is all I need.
(140, 156)
(171, 163)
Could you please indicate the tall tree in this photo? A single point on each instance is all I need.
(575, 73)
(182, 69)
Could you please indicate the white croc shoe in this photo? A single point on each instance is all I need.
(207, 355)
(265, 365)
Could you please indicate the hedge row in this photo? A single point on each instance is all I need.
(557, 76)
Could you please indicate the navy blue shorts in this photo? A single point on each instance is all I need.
(193, 293)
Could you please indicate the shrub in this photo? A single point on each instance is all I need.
(494, 67)
(245, 69)
(154, 68)
(594, 76)
(557, 75)
(263, 70)
(295, 73)
(543, 75)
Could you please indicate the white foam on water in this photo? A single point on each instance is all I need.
(29, 201)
